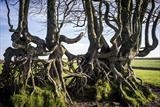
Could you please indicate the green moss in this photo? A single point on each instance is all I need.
(19, 99)
(31, 101)
(39, 101)
(148, 93)
(103, 90)
(51, 101)
(40, 98)
(141, 99)
(130, 100)
(60, 102)
(137, 98)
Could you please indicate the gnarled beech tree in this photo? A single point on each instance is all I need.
(102, 74)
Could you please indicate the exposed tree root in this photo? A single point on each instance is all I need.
(106, 80)
(26, 74)
(95, 80)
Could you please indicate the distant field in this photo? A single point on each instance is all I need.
(148, 63)
(149, 76)
(0, 68)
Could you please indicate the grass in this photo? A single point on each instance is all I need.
(0, 68)
(152, 63)
(149, 76)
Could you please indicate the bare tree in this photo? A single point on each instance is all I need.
(102, 73)
(24, 57)
(112, 64)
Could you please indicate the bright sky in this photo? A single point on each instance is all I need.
(36, 27)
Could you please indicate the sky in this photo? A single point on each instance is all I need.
(38, 28)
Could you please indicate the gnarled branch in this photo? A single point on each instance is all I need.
(70, 41)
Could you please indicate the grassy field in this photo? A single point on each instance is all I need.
(149, 76)
(0, 68)
(150, 63)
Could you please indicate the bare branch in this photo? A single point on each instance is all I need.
(8, 15)
(147, 24)
(149, 47)
(106, 17)
(70, 41)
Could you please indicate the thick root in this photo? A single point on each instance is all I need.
(107, 83)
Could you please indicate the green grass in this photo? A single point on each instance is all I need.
(149, 76)
(0, 68)
(146, 63)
